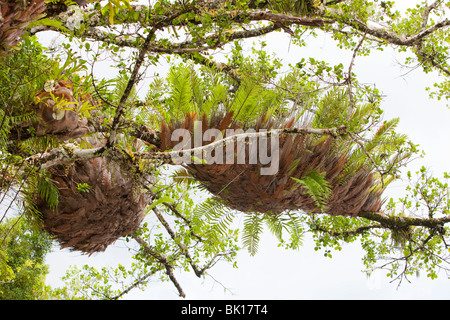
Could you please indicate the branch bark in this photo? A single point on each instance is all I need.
(69, 153)
(381, 33)
(131, 82)
(402, 222)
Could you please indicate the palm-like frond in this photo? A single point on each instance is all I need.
(246, 102)
(181, 93)
(331, 110)
(48, 192)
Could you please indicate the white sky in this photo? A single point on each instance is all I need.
(275, 273)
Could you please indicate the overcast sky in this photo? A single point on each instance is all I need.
(275, 273)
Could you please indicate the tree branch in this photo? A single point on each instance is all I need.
(69, 152)
(131, 82)
(134, 285)
(381, 33)
(395, 222)
(351, 105)
(177, 241)
(346, 233)
(161, 259)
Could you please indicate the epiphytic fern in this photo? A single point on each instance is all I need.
(253, 228)
(214, 218)
(317, 187)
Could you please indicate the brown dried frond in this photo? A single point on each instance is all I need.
(14, 19)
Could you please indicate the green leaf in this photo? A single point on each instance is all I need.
(159, 201)
(48, 192)
(316, 186)
(49, 22)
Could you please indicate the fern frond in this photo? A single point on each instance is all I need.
(316, 186)
(198, 89)
(48, 192)
(216, 97)
(119, 89)
(331, 110)
(214, 218)
(38, 144)
(253, 228)
(295, 229)
(182, 176)
(276, 224)
(246, 102)
(180, 99)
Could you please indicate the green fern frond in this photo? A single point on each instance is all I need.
(331, 110)
(253, 227)
(25, 117)
(4, 130)
(214, 218)
(282, 224)
(198, 89)
(295, 229)
(246, 101)
(276, 224)
(181, 94)
(38, 144)
(316, 186)
(48, 192)
(216, 97)
(119, 89)
(182, 176)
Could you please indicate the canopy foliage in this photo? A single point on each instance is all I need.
(71, 133)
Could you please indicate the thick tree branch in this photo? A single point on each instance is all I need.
(144, 17)
(185, 47)
(381, 33)
(395, 222)
(346, 233)
(69, 153)
(167, 157)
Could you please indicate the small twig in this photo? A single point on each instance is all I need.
(131, 82)
(177, 241)
(163, 260)
(134, 285)
(351, 106)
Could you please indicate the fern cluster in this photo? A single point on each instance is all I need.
(188, 89)
(188, 93)
(334, 176)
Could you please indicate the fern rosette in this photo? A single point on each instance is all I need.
(89, 204)
(315, 173)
